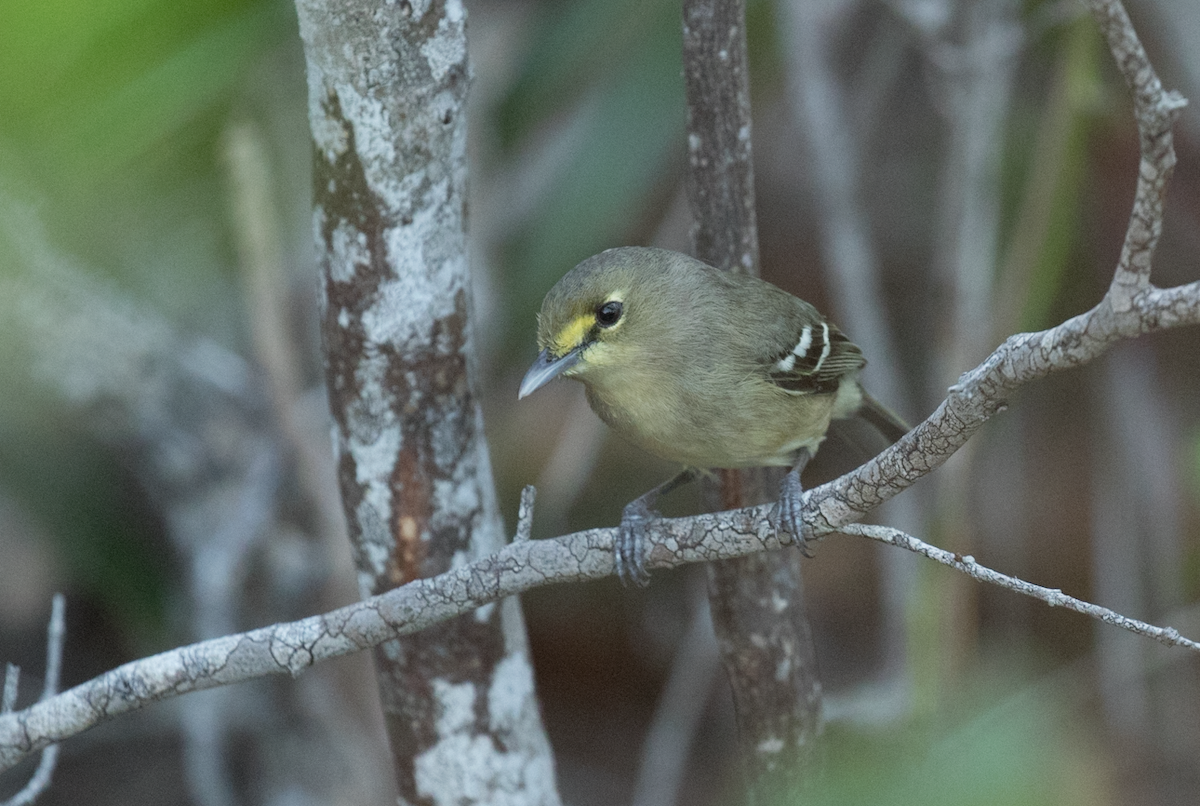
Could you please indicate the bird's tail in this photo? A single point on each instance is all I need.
(884, 420)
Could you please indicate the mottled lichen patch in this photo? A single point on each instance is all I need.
(447, 48)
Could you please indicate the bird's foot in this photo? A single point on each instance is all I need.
(785, 517)
(630, 548)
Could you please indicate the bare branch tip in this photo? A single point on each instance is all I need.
(12, 676)
(56, 633)
(1053, 597)
(525, 514)
(1174, 102)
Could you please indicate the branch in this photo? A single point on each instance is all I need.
(983, 392)
(55, 635)
(290, 648)
(1051, 596)
(1131, 307)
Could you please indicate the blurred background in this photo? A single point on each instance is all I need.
(935, 175)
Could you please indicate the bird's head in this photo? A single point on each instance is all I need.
(591, 318)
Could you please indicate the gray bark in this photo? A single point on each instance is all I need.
(387, 93)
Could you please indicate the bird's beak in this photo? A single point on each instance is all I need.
(546, 368)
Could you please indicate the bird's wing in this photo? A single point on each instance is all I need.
(818, 358)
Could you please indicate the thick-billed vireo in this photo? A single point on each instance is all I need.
(703, 367)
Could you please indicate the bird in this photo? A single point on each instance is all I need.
(703, 367)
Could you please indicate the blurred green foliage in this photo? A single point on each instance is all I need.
(110, 117)
(608, 76)
(610, 73)
(78, 490)
(91, 86)
(1044, 177)
(1022, 752)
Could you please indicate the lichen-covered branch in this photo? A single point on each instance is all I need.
(523, 565)
(1131, 307)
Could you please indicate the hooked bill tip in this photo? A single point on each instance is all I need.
(545, 369)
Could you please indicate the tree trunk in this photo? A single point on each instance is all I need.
(757, 602)
(387, 91)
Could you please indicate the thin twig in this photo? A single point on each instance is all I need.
(12, 677)
(1051, 596)
(55, 635)
(525, 513)
(256, 228)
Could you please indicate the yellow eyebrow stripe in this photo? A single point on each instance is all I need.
(572, 335)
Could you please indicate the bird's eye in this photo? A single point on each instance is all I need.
(608, 314)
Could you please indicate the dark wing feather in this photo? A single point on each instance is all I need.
(818, 359)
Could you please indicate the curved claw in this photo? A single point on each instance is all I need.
(630, 547)
(785, 516)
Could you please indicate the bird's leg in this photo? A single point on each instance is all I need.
(786, 515)
(630, 547)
